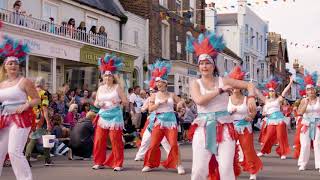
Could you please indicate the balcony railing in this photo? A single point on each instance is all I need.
(63, 30)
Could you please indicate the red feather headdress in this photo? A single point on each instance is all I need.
(237, 73)
(109, 64)
(272, 85)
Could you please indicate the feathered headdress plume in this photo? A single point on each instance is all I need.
(159, 72)
(206, 47)
(11, 49)
(109, 64)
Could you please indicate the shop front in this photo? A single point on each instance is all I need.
(47, 57)
(89, 55)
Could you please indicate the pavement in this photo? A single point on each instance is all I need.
(274, 169)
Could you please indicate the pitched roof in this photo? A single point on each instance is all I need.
(108, 6)
(274, 43)
(232, 54)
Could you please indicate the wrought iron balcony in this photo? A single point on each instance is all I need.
(66, 31)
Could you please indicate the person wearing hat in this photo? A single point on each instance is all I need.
(16, 114)
(276, 127)
(242, 122)
(309, 108)
(44, 125)
(110, 96)
(162, 121)
(213, 144)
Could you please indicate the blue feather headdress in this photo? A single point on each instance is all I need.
(13, 50)
(206, 47)
(159, 72)
(310, 79)
(109, 64)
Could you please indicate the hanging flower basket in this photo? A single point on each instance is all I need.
(145, 66)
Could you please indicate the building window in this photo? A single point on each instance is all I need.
(251, 37)
(225, 65)
(179, 7)
(165, 40)
(135, 78)
(247, 63)
(91, 21)
(192, 4)
(41, 67)
(136, 38)
(163, 3)
(246, 35)
(189, 56)
(261, 40)
(50, 10)
(179, 51)
(253, 72)
(257, 41)
(262, 71)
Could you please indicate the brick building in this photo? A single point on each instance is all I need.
(277, 56)
(170, 21)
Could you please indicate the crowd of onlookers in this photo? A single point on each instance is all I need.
(67, 28)
(71, 114)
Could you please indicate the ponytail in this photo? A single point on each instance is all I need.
(2, 73)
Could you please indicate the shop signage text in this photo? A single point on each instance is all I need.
(90, 55)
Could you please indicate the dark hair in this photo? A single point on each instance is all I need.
(215, 71)
(136, 87)
(93, 29)
(16, 3)
(56, 119)
(84, 107)
(130, 90)
(70, 20)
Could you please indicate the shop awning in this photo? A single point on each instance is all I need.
(90, 55)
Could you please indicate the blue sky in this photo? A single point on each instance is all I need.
(298, 22)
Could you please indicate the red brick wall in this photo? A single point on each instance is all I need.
(151, 10)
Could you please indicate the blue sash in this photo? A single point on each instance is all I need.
(211, 128)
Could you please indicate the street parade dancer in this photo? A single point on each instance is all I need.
(276, 127)
(310, 130)
(242, 122)
(213, 144)
(164, 122)
(146, 133)
(298, 119)
(110, 97)
(16, 114)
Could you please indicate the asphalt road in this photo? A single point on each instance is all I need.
(274, 169)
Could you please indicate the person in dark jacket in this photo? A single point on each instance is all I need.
(81, 138)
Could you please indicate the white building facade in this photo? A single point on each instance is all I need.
(245, 33)
(62, 53)
(136, 32)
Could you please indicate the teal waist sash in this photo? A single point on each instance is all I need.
(275, 118)
(166, 119)
(113, 115)
(312, 126)
(211, 128)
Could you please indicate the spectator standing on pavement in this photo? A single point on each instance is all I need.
(44, 124)
(135, 103)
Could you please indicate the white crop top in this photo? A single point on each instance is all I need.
(219, 103)
(13, 95)
(242, 109)
(313, 110)
(272, 106)
(108, 97)
(167, 107)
